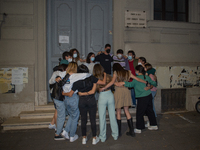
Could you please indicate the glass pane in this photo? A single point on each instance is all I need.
(181, 5)
(169, 16)
(157, 16)
(169, 5)
(157, 5)
(181, 17)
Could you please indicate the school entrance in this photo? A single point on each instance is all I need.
(82, 24)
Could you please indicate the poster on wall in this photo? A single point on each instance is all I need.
(183, 76)
(63, 39)
(9, 77)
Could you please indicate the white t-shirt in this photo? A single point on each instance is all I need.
(73, 78)
(90, 66)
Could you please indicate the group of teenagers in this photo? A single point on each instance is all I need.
(90, 79)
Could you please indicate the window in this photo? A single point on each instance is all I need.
(171, 10)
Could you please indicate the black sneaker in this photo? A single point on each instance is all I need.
(59, 137)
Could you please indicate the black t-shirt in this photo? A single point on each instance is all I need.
(85, 85)
(105, 61)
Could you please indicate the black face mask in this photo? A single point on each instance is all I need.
(108, 51)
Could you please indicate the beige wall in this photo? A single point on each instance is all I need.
(162, 43)
(23, 44)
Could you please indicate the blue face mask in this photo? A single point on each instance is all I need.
(75, 55)
(130, 57)
(92, 58)
(136, 74)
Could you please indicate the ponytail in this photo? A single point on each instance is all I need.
(140, 68)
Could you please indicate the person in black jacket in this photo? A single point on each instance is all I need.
(52, 125)
(87, 103)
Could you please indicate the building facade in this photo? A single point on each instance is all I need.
(172, 47)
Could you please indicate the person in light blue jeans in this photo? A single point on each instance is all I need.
(71, 104)
(151, 73)
(153, 95)
(67, 107)
(61, 115)
(106, 99)
(133, 96)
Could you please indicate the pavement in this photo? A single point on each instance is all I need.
(177, 131)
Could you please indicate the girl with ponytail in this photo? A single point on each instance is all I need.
(144, 99)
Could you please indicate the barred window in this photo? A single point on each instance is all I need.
(171, 10)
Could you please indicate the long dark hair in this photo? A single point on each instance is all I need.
(78, 55)
(140, 68)
(98, 72)
(88, 57)
(122, 74)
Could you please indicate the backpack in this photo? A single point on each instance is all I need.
(58, 88)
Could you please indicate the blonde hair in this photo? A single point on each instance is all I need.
(72, 67)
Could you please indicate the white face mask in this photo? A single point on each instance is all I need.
(70, 60)
(119, 56)
(75, 55)
(139, 63)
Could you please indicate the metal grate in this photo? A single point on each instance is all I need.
(173, 99)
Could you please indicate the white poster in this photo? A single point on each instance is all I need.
(17, 76)
(135, 19)
(63, 39)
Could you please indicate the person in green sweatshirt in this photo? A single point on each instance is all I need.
(144, 100)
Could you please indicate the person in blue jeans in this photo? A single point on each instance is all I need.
(52, 125)
(69, 104)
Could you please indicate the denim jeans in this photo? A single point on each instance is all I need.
(133, 96)
(71, 104)
(153, 95)
(61, 115)
(106, 99)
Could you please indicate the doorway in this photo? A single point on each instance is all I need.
(82, 24)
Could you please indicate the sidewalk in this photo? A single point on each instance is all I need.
(178, 131)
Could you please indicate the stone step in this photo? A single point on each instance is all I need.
(49, 114)
(19, 124)
(42, 116)
(49, 106)
(36, 114)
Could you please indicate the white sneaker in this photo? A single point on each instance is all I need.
(65, 134)
(95, 141)
(147, 124)
(52, 126)
(153, 127)
(84, 140)
(137, 131)
(72, 139)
